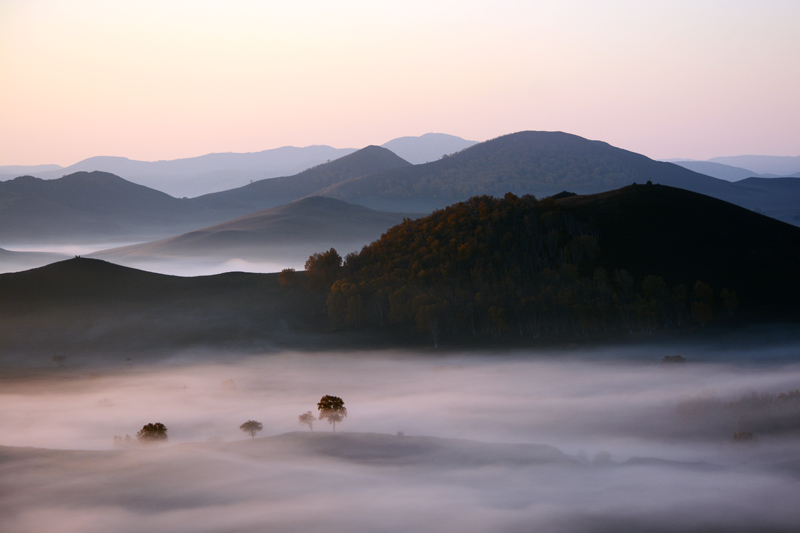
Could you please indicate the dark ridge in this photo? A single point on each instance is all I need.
(563, 194)
(685, 237)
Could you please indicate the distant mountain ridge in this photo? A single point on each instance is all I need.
(90, 206)
(215, 172)
(542, 164)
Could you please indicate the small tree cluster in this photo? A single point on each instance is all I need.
(153, 434)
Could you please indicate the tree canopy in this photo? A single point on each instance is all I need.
(332, 409)
(251, 427)
(152, 433)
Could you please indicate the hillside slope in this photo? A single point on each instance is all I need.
(91, 206)
(292, 231)
(278, 191)
(538, 163)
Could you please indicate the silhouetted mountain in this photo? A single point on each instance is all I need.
(278, 191)
(530, 162)
(428, 147)
(779, 166)
(91, 206)
(292, 231)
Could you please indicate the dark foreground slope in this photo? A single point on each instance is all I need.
(98, 306)
(292, 232)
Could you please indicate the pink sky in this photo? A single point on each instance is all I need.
(163, 80)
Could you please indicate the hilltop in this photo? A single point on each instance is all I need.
(91, 206)
(643, 257)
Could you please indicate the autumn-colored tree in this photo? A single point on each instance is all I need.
(332, 409)
(287, 278)
(152, 433)
(322, 269)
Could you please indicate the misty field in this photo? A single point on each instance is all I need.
(606, 440)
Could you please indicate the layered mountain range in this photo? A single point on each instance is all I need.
(102, 207)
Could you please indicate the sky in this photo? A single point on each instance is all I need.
(154, 80)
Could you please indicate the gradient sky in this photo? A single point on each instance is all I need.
(168, 79)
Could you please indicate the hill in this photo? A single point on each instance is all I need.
(292, 232)
(277, 191)
(91, 206)
(538, 163)
(642, 257)
(91, 305)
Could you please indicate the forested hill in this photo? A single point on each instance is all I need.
(528, 162)
(278, 191)
(640, 258)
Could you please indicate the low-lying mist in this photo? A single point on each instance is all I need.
(601, 441)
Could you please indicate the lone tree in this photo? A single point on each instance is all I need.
(152, 434)
(307, 419)
(332, 408)
(252, 427)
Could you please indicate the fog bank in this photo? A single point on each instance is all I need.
(586, 442)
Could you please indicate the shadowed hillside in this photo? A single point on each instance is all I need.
(277, 191)
(87, 304)
(644, 257)
(295, 230)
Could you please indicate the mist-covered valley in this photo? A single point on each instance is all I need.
(564, 440)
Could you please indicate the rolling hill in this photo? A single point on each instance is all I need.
(277, 191)
(292, 232)
(92, 206)
(538, 163)
(643, 257)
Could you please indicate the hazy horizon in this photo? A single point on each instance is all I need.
(151, 82)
